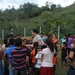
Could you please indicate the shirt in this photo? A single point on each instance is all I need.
(43, 38)
(55, 40)
(69, 42)
(55, 58)
(48, 58)
(37, 38)
(62, 41)
(8, 52)
(64, 52)
(38, 57)
(19, 56)
(33, 56)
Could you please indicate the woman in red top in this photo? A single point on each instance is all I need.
(55, 41)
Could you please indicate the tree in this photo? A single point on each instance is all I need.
(53, 7)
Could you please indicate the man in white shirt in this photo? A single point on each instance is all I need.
(37, 38)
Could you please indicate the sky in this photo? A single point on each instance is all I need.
(9, 3)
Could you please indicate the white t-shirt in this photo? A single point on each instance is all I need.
(38, 57)
(37, 38)
(48, 58)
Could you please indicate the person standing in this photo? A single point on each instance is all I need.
(71, 70)
(37, 37)
(7, 54)
(1, 65)
(47, 59)
(69, 42)
(55, 61)
(4, 46)
(38, 60)
(20, 56)
(64, 54)
(43, 37)
(55, 41)
(33, 54)
(64, 39)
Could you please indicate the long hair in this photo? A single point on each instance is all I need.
(35, 45)
(50, 44)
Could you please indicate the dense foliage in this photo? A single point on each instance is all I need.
(30, 16)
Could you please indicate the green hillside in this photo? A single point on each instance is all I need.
(30, 16)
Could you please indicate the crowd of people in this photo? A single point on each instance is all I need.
(17, 57)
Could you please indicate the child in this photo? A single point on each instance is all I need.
(64, 53)
(55, 60)
(33, 53)
(38, 60)
(47, 59)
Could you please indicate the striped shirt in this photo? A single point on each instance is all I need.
(19, 56)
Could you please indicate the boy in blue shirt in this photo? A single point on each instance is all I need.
(7, 54)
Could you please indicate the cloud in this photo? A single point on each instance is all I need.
(64, 2)
(41, 2)
(4, 3)
(19, 1)
(1, 1)
(11, 1)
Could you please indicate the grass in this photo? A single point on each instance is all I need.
(60, 70)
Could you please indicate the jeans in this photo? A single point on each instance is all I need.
(6, 68)
(71, 71)
(11, 70)
(1, 67)
(20, 72)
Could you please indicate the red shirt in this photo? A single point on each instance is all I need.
(55, 40)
